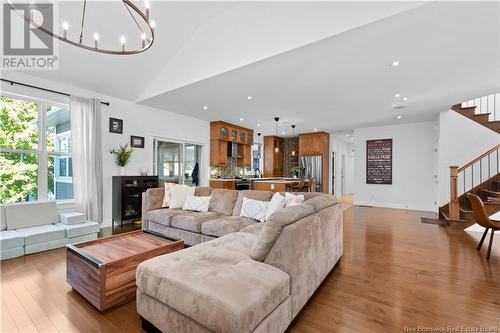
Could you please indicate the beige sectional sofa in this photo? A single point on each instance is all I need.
(255, 277)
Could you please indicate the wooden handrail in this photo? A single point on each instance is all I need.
(478, 158)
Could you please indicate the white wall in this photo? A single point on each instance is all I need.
(413, 167)
(137, 120)
(340, 147)
(460, 141)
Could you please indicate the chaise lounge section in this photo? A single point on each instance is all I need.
(255, 279)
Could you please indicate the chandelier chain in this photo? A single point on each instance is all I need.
(83, 20)
(136, 23)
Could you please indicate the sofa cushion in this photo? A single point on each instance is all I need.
(322, 201)
(272, 228)
(197, 203)
(10, 239)
(253, 229)
(12, 253)
(215, 283)
(80, 229)
(202, 191)
(225, 225)
(164, 215)
(251, 194)
(30, 214)
(42, 234)
(223, 201)
(193, 220)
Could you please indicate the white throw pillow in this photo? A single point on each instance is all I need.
(254, 209)
(294, 200)
(179, 195)
(277, 202)
(198, 204)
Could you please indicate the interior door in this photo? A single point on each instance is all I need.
(333, 173)
(342, 175)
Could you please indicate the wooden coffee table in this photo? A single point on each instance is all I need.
(103, 271)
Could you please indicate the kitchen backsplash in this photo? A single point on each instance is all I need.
(231, 170)
(290, 161)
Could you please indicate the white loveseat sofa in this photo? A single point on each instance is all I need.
(35, 226)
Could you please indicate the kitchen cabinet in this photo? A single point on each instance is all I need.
(273, 160)
(317, 144)
(218, 153)
(224, 184)
(220, 134)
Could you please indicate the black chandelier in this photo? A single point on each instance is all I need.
(147, 36)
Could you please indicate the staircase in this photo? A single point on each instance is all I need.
(480, 176)
(484, 111)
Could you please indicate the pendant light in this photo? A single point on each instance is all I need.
(293, 136)
(276, 148)
(258, 141)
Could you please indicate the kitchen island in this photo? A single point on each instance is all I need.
(276, 185)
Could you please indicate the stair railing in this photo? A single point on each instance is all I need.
(487, 104)
(465, 178)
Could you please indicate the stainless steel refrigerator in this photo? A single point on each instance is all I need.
(312, 167)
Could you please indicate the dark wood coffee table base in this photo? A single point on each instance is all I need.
(103, 271)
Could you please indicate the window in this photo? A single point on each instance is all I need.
(35, 150)
(175, 162)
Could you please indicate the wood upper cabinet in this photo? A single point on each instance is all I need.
(220, 134)
(246, 152)
(313, 144)
(273, 160)
(218, 153)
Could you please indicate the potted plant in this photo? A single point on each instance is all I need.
(295, 172)
(123, 155)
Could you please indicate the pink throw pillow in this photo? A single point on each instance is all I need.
(293, 200)
(168, 194)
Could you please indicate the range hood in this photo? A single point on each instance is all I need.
(232, 150)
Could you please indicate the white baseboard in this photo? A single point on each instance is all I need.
(396, 206)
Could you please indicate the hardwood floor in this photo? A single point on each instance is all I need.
(395, 272)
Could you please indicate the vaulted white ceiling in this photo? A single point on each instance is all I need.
(320, 65)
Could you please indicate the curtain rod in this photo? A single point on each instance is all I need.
(40, 88)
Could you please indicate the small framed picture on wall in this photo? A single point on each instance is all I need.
(116, 125)
(136, 141)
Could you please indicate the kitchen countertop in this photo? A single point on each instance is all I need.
(280, 181)
(223, 179)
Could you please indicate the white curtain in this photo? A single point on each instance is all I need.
(86, 140)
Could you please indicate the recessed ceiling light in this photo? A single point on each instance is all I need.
(282, 133)
(397, 95)
(352, 138)
(205, 107)
(394, 105)
(395, 63)
(258, 125)
(249, 97)
(241, 119)
(315, 130)
(399, 117)
(347, 135)
(405, 98)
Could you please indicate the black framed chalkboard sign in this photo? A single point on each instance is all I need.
(379, 161)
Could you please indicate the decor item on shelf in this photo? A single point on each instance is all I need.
(138, 17)
(115, 125)
(143, 172)
(276, 148)
(123, 155)
(293, 135)
(136, 141)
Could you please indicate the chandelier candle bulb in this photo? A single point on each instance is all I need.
(123, 40)
(152, 24)
(147, 5)
(143, 40)
(96, 39)
(65, 27)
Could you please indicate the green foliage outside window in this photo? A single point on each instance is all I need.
(19, 171)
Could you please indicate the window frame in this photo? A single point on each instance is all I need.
(41, 152)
